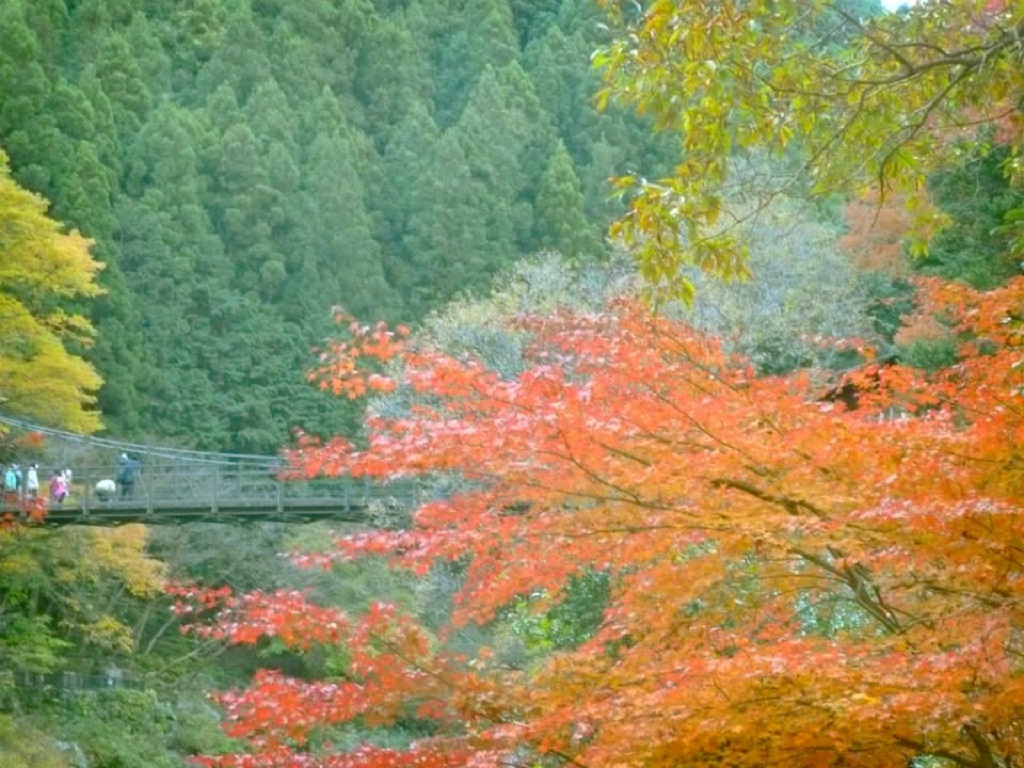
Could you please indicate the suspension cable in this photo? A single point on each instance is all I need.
(160, 452)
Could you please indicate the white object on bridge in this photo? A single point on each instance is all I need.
(105, 489)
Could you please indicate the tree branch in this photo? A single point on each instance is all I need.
(791, 505)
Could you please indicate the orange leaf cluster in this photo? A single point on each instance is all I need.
(343, 368)
(792, 582)
(29, 509)
(876, 232)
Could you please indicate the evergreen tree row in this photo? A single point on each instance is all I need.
(244, 166)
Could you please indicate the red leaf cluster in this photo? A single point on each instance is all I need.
(792, 582)
(343, 369)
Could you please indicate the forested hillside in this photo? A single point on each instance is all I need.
(778, 522)
(246, 165)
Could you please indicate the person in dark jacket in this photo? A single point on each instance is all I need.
(127, 473)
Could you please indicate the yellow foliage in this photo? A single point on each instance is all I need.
(40, 266)
(882, 104)
(17, 563)
(122, 552)
(86, 577)
(22, 746)
(107, 632)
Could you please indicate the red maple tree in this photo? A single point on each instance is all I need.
(792, 583)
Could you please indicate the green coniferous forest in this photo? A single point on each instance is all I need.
(244, 166)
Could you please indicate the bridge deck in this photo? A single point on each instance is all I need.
(173, 494)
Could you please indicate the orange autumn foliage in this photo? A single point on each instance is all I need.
(880, 230)
(793, 583)
(920, 327)
(874, 239)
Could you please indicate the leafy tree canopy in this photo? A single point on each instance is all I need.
(846, 101)
(40, 269)
(782, 578)
(52, 584)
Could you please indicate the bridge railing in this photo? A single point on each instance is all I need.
(214, 486)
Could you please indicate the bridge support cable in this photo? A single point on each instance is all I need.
(151, 452)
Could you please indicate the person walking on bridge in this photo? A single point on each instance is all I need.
(58, 487)
(127, 472)
(32, 481)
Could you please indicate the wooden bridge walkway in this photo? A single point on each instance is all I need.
(181, 492)
(178, 485)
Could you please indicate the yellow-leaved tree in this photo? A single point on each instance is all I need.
(66, 597)
(41, 269)
(840, 96)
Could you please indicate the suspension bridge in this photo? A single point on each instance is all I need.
(176, 486)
